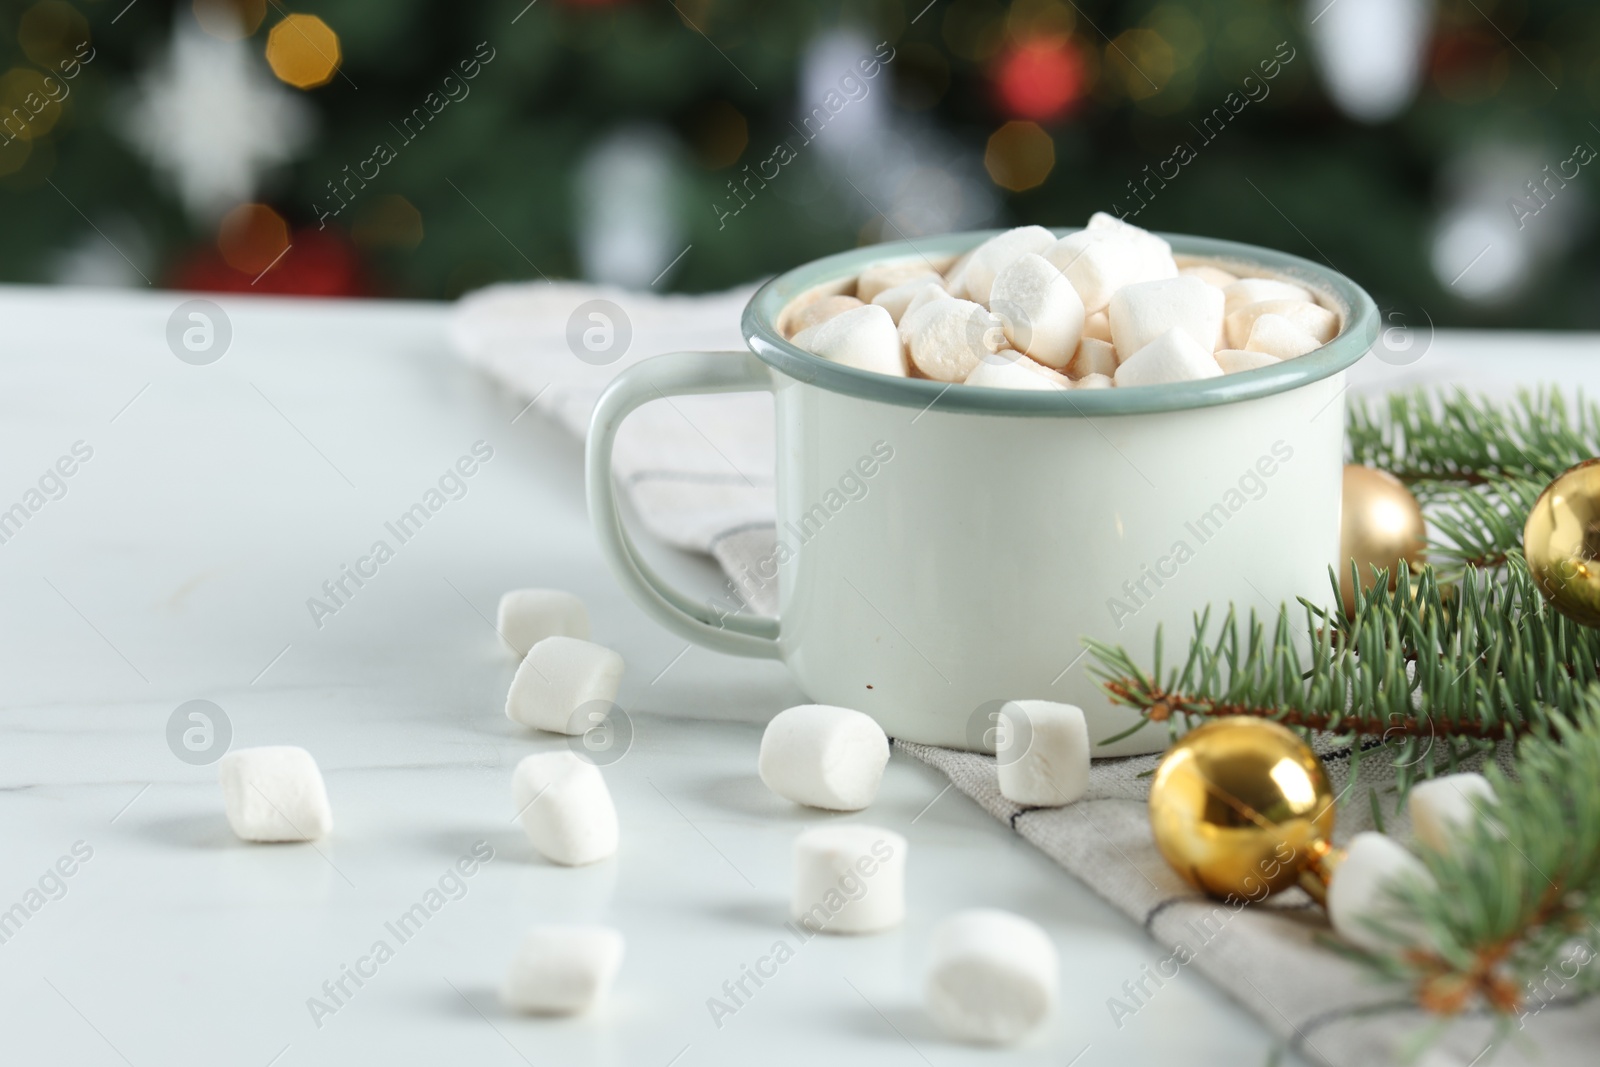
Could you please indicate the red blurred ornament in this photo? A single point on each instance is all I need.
(318, 263)
(1041, 80)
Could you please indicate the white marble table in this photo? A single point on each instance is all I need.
(177, 566)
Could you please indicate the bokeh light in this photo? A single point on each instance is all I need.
(252, 237)
(27, 107)
(388, 221)
(303, 51)
(1041, 79)
(1142, 62)
(1019, 156)
(50, 33)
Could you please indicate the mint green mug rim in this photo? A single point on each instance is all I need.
(1359, 316)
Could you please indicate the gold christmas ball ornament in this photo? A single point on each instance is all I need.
(1562, 543)
(1380, 525)
(1242, 808)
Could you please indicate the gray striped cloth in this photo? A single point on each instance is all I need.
(698, 471)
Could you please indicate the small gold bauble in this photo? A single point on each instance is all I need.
(1562, 543)
(1380, 525)
(1241, 807)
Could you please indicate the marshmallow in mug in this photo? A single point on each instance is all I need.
(1077, 309)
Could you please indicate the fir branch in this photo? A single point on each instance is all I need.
(1477, 467)
(1436, 672)
(1518, 927)
(1430, 440)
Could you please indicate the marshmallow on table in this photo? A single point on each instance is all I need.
(864, 337)
(1173, 357)
(849, 879)
(880, 276)
(1099, 262)
(1254, 290)
(1042, 312)
(1234, 360)
(997, 253)
(1098, 326)
(818, 311)
(1093, 357)
(992, 976)
(1094, 381)
(274, 793)
(902, 298)
(1278, 336)
(1315, 319)
(1447, 806)
(563, 970)
(1043, 755)
(1145, 310)
(557, 678)
(824, 757)
(1008, 369)
(947, 338)
(528, 616)
(565, 808)
(1210, 275)
(1358, 894)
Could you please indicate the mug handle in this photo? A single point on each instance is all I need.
(677, 374)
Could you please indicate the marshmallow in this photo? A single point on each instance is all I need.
(1234, 360)
(997, 253)
(1359, 893)
(1043, 753)
(1315, 319)
(1042, 313)
(824, 757)
(1098, 326)
(818, 311)
(1008, 369)
(1094, 381)
(1145, 310)
(1101, 220)
(902, 298)
(1093, 357)
(557, 678)
(949, 337)
(992, 976)
(1447, 806)
(563, 970)
(565, 808)
(928, 294)
(1173, 357)
(863, 337)
(1101, 261)
(1277, 336)
(528, 616)
(880, 276)
(274, 793)
(849, 879)
(1254, 290)
(1210, 275)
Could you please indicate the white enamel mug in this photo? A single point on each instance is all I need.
(944, 548)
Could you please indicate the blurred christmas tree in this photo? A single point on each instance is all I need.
(1435, 151)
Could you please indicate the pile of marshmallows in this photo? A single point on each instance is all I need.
(992, 975)
(1106, 306)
